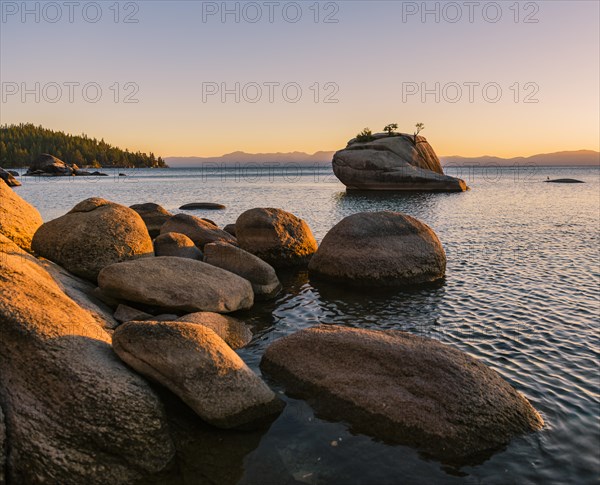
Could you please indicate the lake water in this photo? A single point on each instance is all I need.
(521, 294)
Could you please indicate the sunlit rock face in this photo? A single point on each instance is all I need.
(74, 412)
(393, 163)
(380, 249)
(9, 178)
(93, 235)
(275, 236)
(197, 365)
(399, 387)
(234, 332)
(81, 292)
(18, 219)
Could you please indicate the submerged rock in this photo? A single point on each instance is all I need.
(276, 236)
(9, 178)
(564, 181)
(198, 230)
(178, 245)
(234, 332)
(82, 173)
(153, 215)
(380, 249)
(396, 386)
(260, 274)
(94, 234)
(18, 219)
(202, 205)
(177, 285)
(197, 365)
(75, 413)
(206, 454)
(393, 163)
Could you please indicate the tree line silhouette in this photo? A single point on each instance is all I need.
(21, 144)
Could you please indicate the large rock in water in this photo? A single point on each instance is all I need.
(275, 236)
(92, 235)
(74, 413)
(18, 219)
(234, 332)
(260, 274)
(177, 285)
(380, 249)
(404, 388)
(198, 230)
(197, 365)
(393, 163)
(50, 165)
(9, 178)
(153, 215)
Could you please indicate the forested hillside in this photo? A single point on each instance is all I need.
(21, 144)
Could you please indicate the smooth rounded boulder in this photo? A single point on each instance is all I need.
(93, 235)
(177, 285)
(74, 412)
(234, 332)
(198, 230)
(178, 245)
(380, 249)
(19, 220)
(260, 274)
(153, 215)
(275, 236)
(199, 367)
(400, 387)
(230, 228)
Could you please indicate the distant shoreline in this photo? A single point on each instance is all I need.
(582, 158)
(293, 165)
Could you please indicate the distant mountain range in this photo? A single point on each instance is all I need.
(567, 158)
(572, 158)
(244, 159)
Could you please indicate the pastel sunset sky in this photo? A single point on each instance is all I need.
(511, 78)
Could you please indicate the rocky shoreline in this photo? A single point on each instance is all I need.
(107, 309)
(46, 165)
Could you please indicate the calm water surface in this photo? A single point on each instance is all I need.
(521, 294)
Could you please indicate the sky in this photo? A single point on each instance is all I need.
(198, 78)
